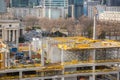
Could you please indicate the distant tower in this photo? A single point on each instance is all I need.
(3, 7)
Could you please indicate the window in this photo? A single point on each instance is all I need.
(10, 25)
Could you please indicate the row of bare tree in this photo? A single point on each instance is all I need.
(81, 27)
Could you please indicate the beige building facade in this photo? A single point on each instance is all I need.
(10, 30)
(23, 12)
(110, 16)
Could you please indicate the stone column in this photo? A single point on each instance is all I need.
(9, 35)
(3, 35)
(13, 35)
(118, 76)
(6, 35)
(20, 75)
(17, 37)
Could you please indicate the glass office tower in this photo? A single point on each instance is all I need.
(19, 3)
(75, 8)
(113, 2)
(55, 8)
(3, 7)
(55, 3)
(34, 2)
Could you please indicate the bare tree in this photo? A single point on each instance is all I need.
(31, 21)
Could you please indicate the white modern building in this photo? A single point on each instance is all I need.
(55, 8)
(110, 16)
(110, 13)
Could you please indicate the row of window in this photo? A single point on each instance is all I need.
(9, 25)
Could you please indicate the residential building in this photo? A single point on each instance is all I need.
(75, 8)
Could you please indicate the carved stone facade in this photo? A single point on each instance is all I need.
(10, 30)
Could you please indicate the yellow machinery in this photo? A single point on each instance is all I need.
(2, 64)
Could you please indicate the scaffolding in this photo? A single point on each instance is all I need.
(71, 58)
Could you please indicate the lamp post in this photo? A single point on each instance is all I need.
(94, 24)
(94, 37)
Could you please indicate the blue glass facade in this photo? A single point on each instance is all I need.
(19, 3)
(34, 2)
(78, 8)
(113, 2)
(85, 11)
(55, 3)
(3, 7)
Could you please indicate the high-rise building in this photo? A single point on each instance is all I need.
(75, 8)
(34, 3)
(7, 3)
(113, 2)
(19, 3)
(3, 7)
(55, 3)
(90, 7)
(55, 8)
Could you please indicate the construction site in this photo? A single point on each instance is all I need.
(62, 58)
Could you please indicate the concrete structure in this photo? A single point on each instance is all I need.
(110, 13)
(101, 9)
(23, 12)
(109, 16)
(52, 10)
(72, 58)
(10, 30)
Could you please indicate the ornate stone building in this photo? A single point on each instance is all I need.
(10, 31)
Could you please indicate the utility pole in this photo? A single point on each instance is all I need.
(94, 37)
(94, 24)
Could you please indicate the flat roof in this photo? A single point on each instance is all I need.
(76, 43)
